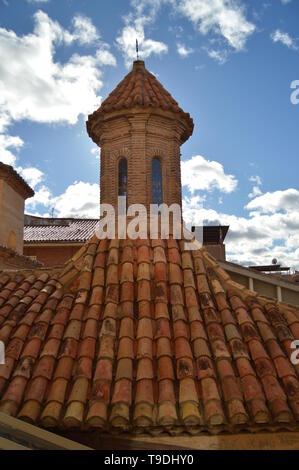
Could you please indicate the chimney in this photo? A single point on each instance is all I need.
(213, 240)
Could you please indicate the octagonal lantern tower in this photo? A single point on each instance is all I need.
(140, 129)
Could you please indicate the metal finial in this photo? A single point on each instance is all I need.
(137, 49)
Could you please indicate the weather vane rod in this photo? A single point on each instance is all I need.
(137, 49)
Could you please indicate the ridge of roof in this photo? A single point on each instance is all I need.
(15, 260)
(143, 336)
(37, 219)
(139, 88)
(8, 174)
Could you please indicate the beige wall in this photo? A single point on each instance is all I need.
(269, 289)
(289, 296)
(263, 288)
(11, 216)
(240, 279)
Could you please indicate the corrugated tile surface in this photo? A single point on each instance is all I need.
(139, 88)
(75, 231)
(143, 336)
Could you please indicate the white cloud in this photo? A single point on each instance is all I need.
(8, 142)
(41, 197)
(84, 30)
(184, 51)
(271, 228)
(32, 175)
(285, 2)
(96, 151)
(126, 42)
(144, 13)
(176, 30)
(38, 1)
(220, 56)
(255, 239)
(256, 179)
(80, 199)
(201, 174)
(285, 201)
(224, 17)
(256, 189)
(284, 38)
(36, 87)
(104, 57)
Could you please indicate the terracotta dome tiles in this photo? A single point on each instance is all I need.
(139, 88)
(145, 337)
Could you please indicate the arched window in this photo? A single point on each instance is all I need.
(157, 190)
(123, 177)
(12, 240)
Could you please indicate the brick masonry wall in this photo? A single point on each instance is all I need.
(218, 251)
(140, 135)
(52, 255)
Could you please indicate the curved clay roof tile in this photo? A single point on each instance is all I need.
(138, 88)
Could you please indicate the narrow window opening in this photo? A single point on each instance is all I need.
(123, 177)
(157, 190)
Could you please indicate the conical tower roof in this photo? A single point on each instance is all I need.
(139, 88)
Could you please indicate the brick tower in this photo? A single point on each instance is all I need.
(140, 129)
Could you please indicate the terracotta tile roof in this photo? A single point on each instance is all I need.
(9, 259)
(8, 174)
(139, 88)
(145, 337)
(60, 230)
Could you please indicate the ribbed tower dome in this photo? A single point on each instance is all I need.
(139, 88)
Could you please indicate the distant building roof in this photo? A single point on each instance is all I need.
(53, 230)
(8, 174)
(270, 268)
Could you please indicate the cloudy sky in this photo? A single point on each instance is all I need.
(230, 63)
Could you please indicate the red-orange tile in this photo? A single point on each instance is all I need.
(174, 256)
(103, 370)
(205, 368)
(162, 329)
(163, 347)
(144, 391)
(45, 367)
(32, 348)
(182, 348)
(122, 392)
(145, 369)
(166, 391)
(64, 368)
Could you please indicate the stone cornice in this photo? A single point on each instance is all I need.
(15, 181)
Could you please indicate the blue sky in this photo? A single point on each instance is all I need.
(230, 63)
